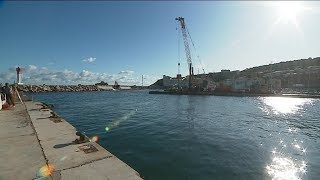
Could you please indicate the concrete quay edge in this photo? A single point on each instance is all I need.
(44, 140)
(68, 160)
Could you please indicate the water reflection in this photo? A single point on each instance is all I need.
(288, 161)
(285, 168)
(284, 105)
(284, 165)
(287, 157)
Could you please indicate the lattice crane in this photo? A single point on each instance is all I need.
(186, 47)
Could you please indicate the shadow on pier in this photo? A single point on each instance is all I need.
(57, 146)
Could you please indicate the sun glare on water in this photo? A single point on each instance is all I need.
(283, 168)
(284, 105)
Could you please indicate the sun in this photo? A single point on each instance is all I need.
(288, 11)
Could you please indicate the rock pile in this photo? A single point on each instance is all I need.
(57, 88)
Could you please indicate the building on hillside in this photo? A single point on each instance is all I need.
(274, 85)
(175, 82)
(244, 84)
(200, 81)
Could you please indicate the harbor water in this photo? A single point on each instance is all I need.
(199, 137)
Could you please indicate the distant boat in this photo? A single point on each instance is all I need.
(116, 85)
(105, 88)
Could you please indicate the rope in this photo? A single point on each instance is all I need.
(18, 95)
(195, 50)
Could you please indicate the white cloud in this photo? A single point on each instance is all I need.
(31, 68)
(85, 73)
(89, 60)
(7, 77)
(32, 74)
(126, 72)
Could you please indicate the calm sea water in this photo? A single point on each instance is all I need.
(167, 137)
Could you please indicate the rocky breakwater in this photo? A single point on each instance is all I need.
(57, 88)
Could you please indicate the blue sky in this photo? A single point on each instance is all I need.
(85, 42)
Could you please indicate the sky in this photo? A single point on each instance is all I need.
(84, 42)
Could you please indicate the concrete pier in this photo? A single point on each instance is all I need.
(31, 140)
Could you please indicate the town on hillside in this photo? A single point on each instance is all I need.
(298, 76)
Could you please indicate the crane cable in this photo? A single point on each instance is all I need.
(195, 50)
(179, 37)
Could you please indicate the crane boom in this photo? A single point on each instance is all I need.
(186, 47)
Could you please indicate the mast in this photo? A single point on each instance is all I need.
(142, 80)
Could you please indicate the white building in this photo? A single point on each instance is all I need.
(200, 81)
(169, 82)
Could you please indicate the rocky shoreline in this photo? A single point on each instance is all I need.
(73, 88)
(57, 88)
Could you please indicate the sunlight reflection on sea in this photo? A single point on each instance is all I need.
(284, 105)
(284, 164)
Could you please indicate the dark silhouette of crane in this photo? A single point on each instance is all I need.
(186, 47)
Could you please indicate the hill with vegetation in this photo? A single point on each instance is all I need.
(282, 66)
(303, 71)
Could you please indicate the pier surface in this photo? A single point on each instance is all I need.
(30, 140)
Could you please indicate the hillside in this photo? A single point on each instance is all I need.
(288, 65)
(303, 71)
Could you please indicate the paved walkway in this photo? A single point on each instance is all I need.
(20, 153)
(26, 147)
